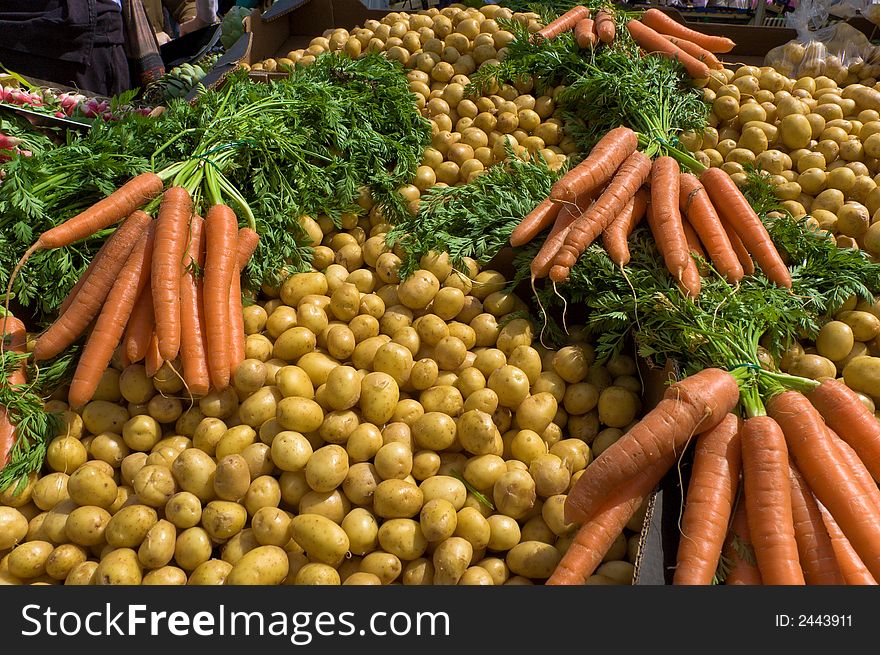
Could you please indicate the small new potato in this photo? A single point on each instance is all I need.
(450, 559)
(323, 540)
(533, 559)
(119, 567)
(264, 565)
(222, 519)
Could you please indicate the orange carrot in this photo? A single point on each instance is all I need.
(193, 345)
(616, 235)
(596, 535)
(140, 328)
(851, 420)
(739, 248)
(605, 26)
(768, 501)
(599, 166)
(171, 238)
(536, 221)
(857, 468)
(693, 240)
(585, 33)
(851, 567)
(111, 321)
(690, 282)
(815, 550)
(654, 43)
(247, 243)
(221, 236)
(697, 52)
(709, 503)
(664, 216)
(88, 300)
(152, 360)
(589, 225)
(738, 213)
(690, 406)
(542, 262)
(564, 23)
(695, 204)
(743, 570)
(14, 336)
(662, 23)
(103, 213)
(828, 475)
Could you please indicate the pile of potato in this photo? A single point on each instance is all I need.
(440, 49)
(380, 431)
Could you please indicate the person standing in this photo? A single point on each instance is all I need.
(75, 43)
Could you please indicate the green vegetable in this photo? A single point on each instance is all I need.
(231, 26)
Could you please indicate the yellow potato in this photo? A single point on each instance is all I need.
(265, 565)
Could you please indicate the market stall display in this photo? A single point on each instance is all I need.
(399, 397)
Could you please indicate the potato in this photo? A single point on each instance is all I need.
(445, 487)
(157, 548)
(63, 559)
(222, 519)
(533, 559)
(402, 538)
(50, 490)
(322, 539)
(863, 374)
(184, 510)
(572, 363)
(514, 493)
(813, 367)
(210, 572)
(119, 567)
(194, 471)
(13, 527)
(835, 340)
(264, 491)
(442, 398)
(327, 468)
(397, 499)
(378, 398)
(865, 325)
(85, 526)
(618, 406)
(103, 416)
(299, 414)
(89, 486)
(264, 565)
(450, 559)
(536, 412)
(362, 530)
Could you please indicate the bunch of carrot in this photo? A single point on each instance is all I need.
(808, 508)
(657, 33)
(588, 31)
(155, 291)
(707, 216)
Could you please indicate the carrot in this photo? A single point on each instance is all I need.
(585, 33)
(111, 209)
(14, 336)
(616, 235)
(596, 535)
(247, 243)
(193, 346)
(690, 282)
(152, 360)
(709, 503)
(542, 262)
(97, 260)
(664, 216)
(564, 23)
(851, 567)
(140, 328)
(605, 26)
(828, 475)
(88, 300)
(599, 166)
(111, 321)
(857, 468)
(540, 218)
(662, 23)
(589, 225)
(690, 406)
(815, 550)
(738, 213)
(697, 52)
(221, 235)
(849, 418)
(692, 238)
(171, 238)
(652, 42)
(695, 204)
(768, 501)
(738, 550)
(742, 255)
